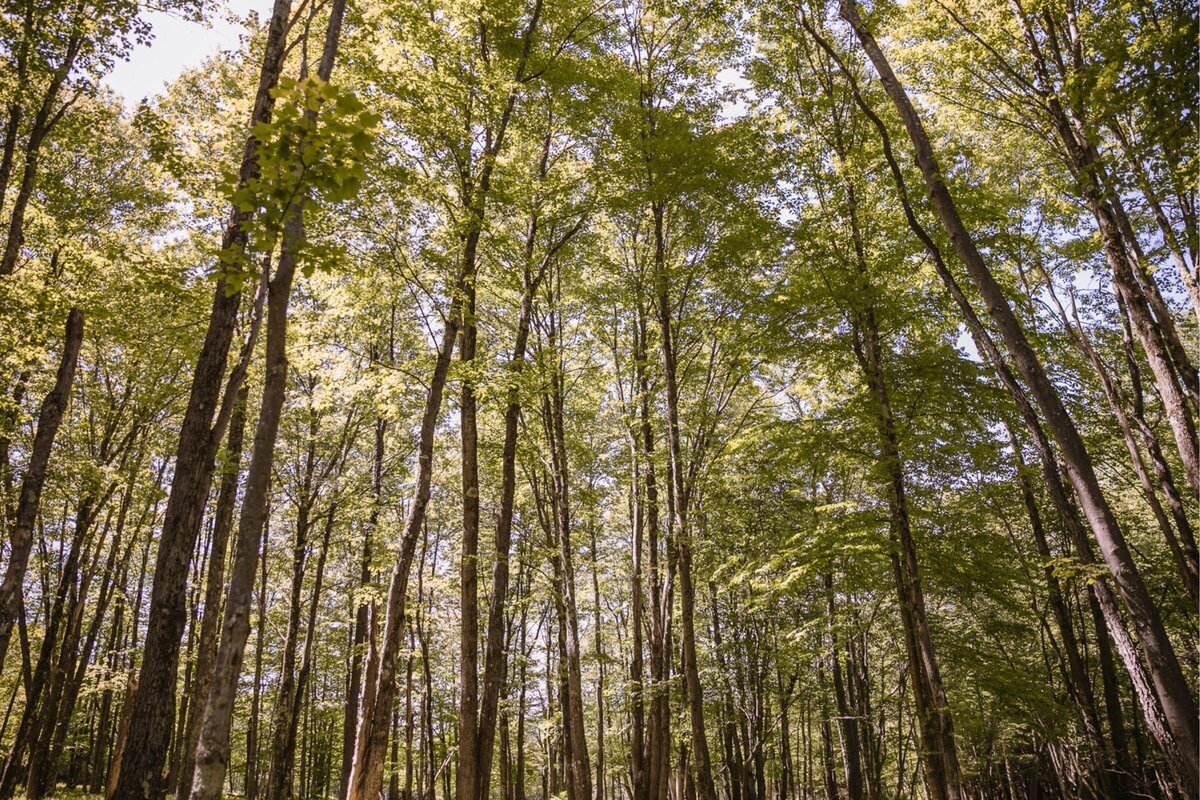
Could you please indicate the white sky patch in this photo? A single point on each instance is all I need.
(731, 78)
(179, 45)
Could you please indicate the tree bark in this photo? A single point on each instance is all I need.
(1178, 704)
(21, 538)
(289, 703)
(214, 589)
(847, 717)
(150, 727)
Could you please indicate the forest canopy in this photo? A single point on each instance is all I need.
(602, 400)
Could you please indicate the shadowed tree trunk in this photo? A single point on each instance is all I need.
(212, 748)
(150, 727)
(21, 537)
(1178, 704)
(214, 590)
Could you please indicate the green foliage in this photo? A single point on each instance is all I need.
(315, 145)
(784, 254)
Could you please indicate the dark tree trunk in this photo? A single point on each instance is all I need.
(21, 537)
(847, 717)
(1179, 707)
(150, 729)
(214, 589)
(256, 690)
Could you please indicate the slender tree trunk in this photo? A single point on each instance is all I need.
(1117, 735)
(599, 646)
(846, 715)
(638, 772)
(284, 741)
(827, 758)
(46, 117)
(256, 692)
(659, 729)
(495, 657)
(1079, 682)
(379, 682)
(150, 728)
(100, 757)
(729, 740)
(362, 614)
(939, 750)
(21, 537)
(43, 770)
(558, 525)
(366, 776)
(468, 677)
(214, 589)
(1178, 704)
(287, 694)
(47, 673)
(681, 492)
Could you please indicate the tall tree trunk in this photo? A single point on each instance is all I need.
(495, 655)
(100, 757)
(1178, 704)
(76, 658)
(21, 537)
(252, 780)
(939, 751)
(283, 720)
(379, 681)
(827, 758)
(729, 740)
(847, 717)
(939, 757)
(283, 747)
(659, 730)
(150, 728)
(214, 589)
(362, 614)
(1117, 735)
(681, 493)
(468, 656)
(47, 672)
(599, 647)
(638, 770)
(558, 525)
(1079, 683)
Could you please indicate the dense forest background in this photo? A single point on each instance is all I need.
(602, 400)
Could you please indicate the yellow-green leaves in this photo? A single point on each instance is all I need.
(314, 148)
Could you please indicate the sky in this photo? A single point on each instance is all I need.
(178, 45)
